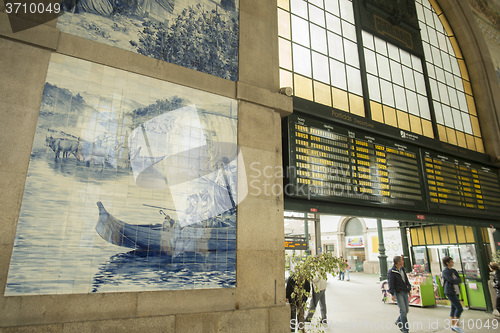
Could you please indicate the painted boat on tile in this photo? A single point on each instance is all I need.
(214, 234)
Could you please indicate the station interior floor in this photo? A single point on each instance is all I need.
(356, 306)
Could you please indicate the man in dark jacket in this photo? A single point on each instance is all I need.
(400, 287)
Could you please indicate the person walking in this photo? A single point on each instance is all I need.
(318, 296)
(347, 269)
(293, 300)
(399, 288)
(451, 281)
(341, 271)
(494, 267)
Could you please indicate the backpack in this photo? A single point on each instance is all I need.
(441, 279)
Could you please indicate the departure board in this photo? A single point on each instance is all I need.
(296, 243)
(459, 186)
(334, 163)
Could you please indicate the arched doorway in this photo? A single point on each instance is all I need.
(355, 244)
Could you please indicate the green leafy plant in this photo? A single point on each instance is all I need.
(305, 269)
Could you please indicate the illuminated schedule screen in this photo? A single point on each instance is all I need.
(460, 186)
(332, 163)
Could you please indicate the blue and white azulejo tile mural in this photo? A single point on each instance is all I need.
(197, 34)
(131, 186)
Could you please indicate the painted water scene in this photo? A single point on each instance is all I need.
(197, 34)
(131, 186)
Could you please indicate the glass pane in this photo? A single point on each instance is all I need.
(346, 11)
(374, 88)
(380, 46)
(351, 53)
(285, 4)
(299, 7)
(322, 93)
(285, 78)
(428, 17)
(436, 56)
(439, 74)
(317, 16)
(459, 84)
(383, 67)
(431, 71)
(368, 40)
(454, 67)
(354, 80)
(348, 30)
(320, 68)
(452, 93)
(393, 52)
(423, 104)
(371, 62)
(417, 63)
(318, 39)
(318, 3)
(301, 60)
(338, 74)
(469, 261)
(333, 7)
(405, 58)
(300, 31)
(283, 23)
(302, 87)
(449, 79)
(399, 93)
(467, 124)
(285, 55)
(333, 24)
(387, 93)
(421, 262)
(438, 111)
(335, 46)
(433, 40)
(396, 72)
(442, 42)
(434, 88)
(454, 253)
(423, 30)
(443, 93)
(462, 101)
(457, 119)
(448, 119)
(408, 78)
(452, 234)
(411, 97)
(446, 61)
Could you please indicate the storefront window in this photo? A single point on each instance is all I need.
(421, 262)
(469, 261)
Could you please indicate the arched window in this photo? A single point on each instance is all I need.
(353, 227)
(327, 57)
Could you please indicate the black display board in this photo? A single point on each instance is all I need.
(458, 186)
(333, 163)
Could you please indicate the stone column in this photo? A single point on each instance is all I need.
(381, 250)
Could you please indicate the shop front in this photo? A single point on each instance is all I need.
(428, 246)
